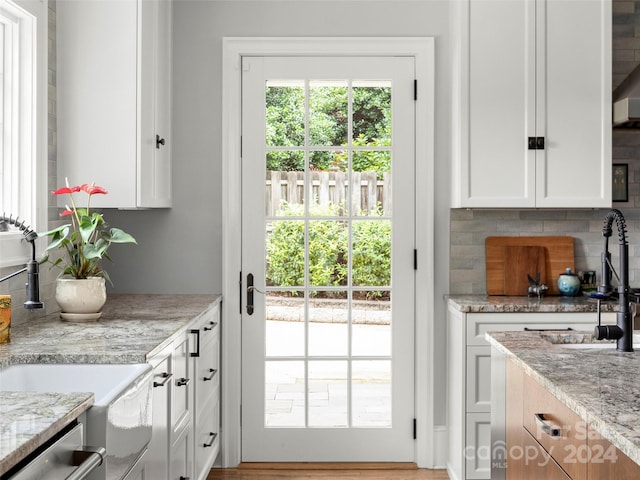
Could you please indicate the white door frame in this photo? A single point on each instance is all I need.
(234, 48)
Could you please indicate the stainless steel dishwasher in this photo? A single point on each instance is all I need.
(64, 459)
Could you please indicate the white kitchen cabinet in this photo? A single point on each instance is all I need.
(172, 424)
(186, 403)
(205, 351)
(469, 379)
(114, 99)
(528, 70)
(157, 457)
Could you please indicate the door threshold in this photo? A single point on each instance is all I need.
(327, 466)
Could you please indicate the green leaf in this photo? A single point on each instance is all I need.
(87, 227)
(118, 236)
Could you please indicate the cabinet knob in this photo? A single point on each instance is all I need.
(159, 141)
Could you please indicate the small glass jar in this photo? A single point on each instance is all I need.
(5, 318)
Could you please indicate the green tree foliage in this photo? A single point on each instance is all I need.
(328, 127)
(328, 251)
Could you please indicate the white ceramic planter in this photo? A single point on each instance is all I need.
(81, 300)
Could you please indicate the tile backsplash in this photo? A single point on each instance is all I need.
(16, 286)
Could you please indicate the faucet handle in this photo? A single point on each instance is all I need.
(607, 332)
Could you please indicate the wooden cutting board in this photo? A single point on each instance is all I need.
(522, 261)
(558, 257)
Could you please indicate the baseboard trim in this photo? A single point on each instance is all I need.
(327, 466)
(440, 445)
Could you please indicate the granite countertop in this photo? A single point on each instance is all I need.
(601, 385)
(133, 327)
(507, 304)
(27, 420)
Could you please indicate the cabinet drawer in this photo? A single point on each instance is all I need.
(478, 379)
(207, 376)
(480, 323)
(535, 464)
(477, 452)
(207, 437)
(569, 435)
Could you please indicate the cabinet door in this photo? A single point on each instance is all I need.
(157, 457)
(574, 104)
(478, 379)
(181, 459)
(182, 384)
(477, 452)
(497, 104)
(154, 169)
(206, 438)
(97, 97)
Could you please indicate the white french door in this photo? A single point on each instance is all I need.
(328, 239)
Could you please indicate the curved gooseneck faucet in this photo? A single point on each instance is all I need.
(622, 332)
(32, 268)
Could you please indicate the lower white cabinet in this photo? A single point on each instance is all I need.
(469, 380)
(206, 398)
(158, 451)
(186, 402)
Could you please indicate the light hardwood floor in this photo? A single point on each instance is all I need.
(348, 471)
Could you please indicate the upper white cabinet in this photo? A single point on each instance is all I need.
(531, 103)
(114, 99)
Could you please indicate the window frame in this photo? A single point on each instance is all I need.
(28, 163)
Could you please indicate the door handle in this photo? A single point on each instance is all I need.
(250, 294)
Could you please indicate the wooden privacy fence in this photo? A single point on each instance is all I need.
(370, 192)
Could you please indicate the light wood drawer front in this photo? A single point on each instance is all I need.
(565, 445)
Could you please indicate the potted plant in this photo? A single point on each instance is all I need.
(80, 288)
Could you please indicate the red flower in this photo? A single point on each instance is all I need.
(92, 189)
(66, 190)
(66, 213)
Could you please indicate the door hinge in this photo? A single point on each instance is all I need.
(415, 259)
(240, 295)
(240, 414)
(415, 429)
(415, 89)
(240, 146)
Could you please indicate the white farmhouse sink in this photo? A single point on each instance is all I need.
(120, 418)
(587, 341)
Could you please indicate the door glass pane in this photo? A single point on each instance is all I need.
(371, 318)
(328, 394)
(284, 394)
(329, 182)
(285, 113)
(371, 389)
(371, 253)
(328, 113)
(372, 182)
(284, 186)
(329, 324)
(284, 324)
(328, 253)
(285, 253)
(372, 113)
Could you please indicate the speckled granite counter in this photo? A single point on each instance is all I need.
(505, 304)
(27, 420)
(132, 328)
(601, 385)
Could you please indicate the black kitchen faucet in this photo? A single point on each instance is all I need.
(622, 332)
(32, 268)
